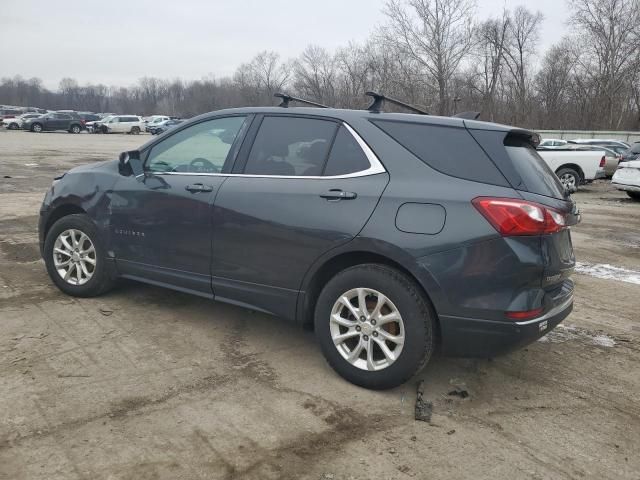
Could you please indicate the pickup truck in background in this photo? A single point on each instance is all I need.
(574, 167)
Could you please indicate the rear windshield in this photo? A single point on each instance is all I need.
(533, 170)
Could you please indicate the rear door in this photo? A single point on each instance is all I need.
(301, 187)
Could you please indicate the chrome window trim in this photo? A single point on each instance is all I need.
(375, 166)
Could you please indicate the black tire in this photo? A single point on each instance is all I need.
(634, 195)
(75, 128)
(13, 126)
(417, 317)
(102, 278)
(36, 127)
(569, 178)
(135, 130)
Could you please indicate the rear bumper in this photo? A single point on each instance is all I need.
(470, 337)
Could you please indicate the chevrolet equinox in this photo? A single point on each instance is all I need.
(390, 234)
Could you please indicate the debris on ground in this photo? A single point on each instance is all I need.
(105, 311)
(460, 388)
(424, 408)
(451, 432)
(459, 392)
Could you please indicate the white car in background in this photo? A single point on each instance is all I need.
(15, 123)
(574, 167)
(627, 178)
(132, 124)
(154, 121)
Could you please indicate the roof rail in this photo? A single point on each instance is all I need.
(467, 115)
(379, 100)
(288, 98)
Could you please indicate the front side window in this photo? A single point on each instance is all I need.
(200, 148)
(291, 146)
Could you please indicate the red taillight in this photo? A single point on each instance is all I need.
(526, 315)
(602, 162)
(512, 217)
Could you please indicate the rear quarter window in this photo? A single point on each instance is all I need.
(449, 150)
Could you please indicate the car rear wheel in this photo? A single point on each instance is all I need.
(135, 130)
(569, 178)
(36, 127)
(634, 195)
(75, 257)
(13, 126)
(374, 325)
(74, 129)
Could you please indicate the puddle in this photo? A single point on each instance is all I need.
(610, 272)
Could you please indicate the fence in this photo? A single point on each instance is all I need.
(629, 137)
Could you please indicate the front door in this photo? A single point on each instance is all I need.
(161, 228)
(305, 187)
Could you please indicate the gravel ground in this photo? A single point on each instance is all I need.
(146, 383)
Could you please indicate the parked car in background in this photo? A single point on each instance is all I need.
(131, 124)
(552, 143)
(632, 153)
(10, 113)
(15, 123)
(368, 226)
(627, 178)
(164, 126)
(154, 121)
(612, 158)
(574, 167)
(88, 117)
(70, 122)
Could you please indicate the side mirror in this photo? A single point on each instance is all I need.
(130, 163)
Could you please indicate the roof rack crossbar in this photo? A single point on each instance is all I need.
(288, 98)
(379, 100)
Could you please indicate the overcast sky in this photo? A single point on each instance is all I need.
(115, 42)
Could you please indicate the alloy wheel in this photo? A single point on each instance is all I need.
(74, 257)
(367, 329)
(568, 180)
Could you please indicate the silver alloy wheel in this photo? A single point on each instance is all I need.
(74, 257)
(367, 329)
(37, 127)
(568, 180)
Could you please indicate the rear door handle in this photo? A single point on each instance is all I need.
(198, 187)
(337, 194)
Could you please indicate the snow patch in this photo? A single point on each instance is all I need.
(609, 272)
(565, 333)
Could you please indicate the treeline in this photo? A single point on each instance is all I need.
(433, 54)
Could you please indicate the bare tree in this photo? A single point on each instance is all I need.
(437, 34)
(492, 38)
(608, 33)
(315, 74)
(524, 35)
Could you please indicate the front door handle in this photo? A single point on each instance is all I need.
(198, 187)
(337, 194)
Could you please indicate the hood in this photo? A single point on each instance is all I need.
(93, 166)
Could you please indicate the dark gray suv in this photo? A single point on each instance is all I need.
(390, 234)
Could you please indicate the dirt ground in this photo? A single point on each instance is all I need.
(146, 383)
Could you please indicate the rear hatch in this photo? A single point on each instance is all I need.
(513, 152)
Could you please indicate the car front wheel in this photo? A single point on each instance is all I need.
(374, 325)
(74, 129)
(75, 257)
(36, 127)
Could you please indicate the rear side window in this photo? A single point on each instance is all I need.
(450, 150)
(346, 155)
(291, 146)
